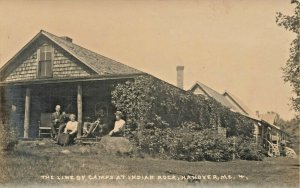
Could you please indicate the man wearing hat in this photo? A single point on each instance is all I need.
(119, 125)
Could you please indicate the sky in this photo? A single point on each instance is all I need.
(232, 45)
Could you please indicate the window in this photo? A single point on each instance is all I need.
(45, 61)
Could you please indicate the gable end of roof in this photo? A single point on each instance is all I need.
(101, 65)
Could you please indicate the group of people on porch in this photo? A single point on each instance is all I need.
(68, 126)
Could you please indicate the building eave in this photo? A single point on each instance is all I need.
(6, 65)
(70, 80)
(226, 93)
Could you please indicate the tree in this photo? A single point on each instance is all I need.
(292, 68)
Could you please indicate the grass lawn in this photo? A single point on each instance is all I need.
(33, 164)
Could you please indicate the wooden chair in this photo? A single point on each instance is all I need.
(45, 124)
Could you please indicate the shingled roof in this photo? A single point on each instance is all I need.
(222, 99)
(238, 102)
(100, 64)
(270, 117)
(214, 94)
(243, 110)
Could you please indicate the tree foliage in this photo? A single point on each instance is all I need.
(292, 67)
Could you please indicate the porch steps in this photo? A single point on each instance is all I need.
(273, 149)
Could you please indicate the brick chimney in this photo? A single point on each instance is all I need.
(67, 38)
(180, 76)
(257, 113)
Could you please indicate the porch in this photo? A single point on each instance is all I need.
(30, 103)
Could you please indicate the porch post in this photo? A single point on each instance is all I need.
(79, 109)
(256, 131)
(2, 104)
(262, 134)
(27, 113)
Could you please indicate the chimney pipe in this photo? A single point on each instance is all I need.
(180, 76)
(257, 113)
(67, 38)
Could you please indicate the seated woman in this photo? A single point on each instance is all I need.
(71, 129)
(119, 125)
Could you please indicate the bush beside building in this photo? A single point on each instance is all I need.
(165, 121)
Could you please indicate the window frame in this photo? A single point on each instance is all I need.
(39, 61)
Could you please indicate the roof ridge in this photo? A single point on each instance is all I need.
(54, 38)
(75, 44)
(78, 45)
(200, 83)
(94, 59)
(219, 97)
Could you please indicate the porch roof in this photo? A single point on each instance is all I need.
(69, 80)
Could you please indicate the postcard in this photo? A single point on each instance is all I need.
(159, 93)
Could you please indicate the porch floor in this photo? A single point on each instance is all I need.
(77, 140)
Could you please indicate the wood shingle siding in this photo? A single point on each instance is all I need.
(63, 66)
(68, 61)
(26, 70)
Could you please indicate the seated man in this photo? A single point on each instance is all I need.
(119, 125)
(71, 129)
(58, 121)
(98, 127)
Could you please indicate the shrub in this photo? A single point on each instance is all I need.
(218, 149)
(8, 137)
(167, 122)
(247, 149)
(186, 143)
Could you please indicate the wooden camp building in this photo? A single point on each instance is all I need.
(264, 130)
(51, 70)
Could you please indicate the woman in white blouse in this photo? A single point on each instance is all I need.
(71, 127)
(119, 125)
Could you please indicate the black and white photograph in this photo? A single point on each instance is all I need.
(149, 93)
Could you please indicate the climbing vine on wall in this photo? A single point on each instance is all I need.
(147, 100)
(167, 122)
